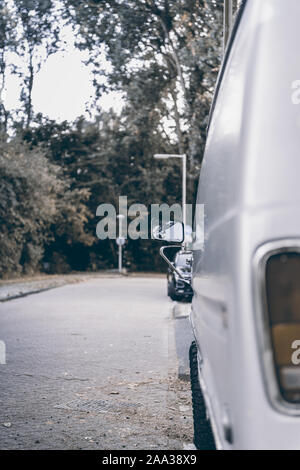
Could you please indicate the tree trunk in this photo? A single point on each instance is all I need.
(29, 91)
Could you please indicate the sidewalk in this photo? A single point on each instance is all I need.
(12, 289)
(20, 287)
(93, 366)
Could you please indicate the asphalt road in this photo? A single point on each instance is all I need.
(92, 366)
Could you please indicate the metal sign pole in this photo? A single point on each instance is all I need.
(120, 258)
(120, 242)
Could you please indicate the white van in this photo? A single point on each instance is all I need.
(246, 307)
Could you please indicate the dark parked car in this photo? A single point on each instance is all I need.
(177, 288)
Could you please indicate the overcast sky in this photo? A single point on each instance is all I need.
(63, 87)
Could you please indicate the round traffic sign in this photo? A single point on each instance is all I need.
(120, 241)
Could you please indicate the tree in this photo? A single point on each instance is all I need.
(37, 37)
(37, 205)
(111, 157)
(7, 45)
(180, 40)
(164, 57)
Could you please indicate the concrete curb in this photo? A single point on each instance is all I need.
(183, 337)
(25, 294)
(181, 310)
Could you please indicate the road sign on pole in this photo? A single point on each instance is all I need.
(120, 241)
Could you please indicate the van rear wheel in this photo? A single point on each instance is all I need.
(203, 435)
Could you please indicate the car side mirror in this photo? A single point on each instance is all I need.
(170, 232)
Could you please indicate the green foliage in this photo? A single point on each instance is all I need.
(30, 29)
(163, 56)
(35, 205)
(7, 44)
(38, 39)
(109, 158)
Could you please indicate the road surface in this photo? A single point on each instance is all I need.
(92, 366)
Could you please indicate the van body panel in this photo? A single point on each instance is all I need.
(250, 188)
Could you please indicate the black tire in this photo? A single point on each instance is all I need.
(171, 291)
(203, 435)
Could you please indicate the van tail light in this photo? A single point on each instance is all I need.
(283, 308)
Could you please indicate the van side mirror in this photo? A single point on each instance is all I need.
(170, 232)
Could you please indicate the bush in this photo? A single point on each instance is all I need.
(35, 203)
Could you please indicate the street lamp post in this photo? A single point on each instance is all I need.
(166, 156)
(120, 242)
